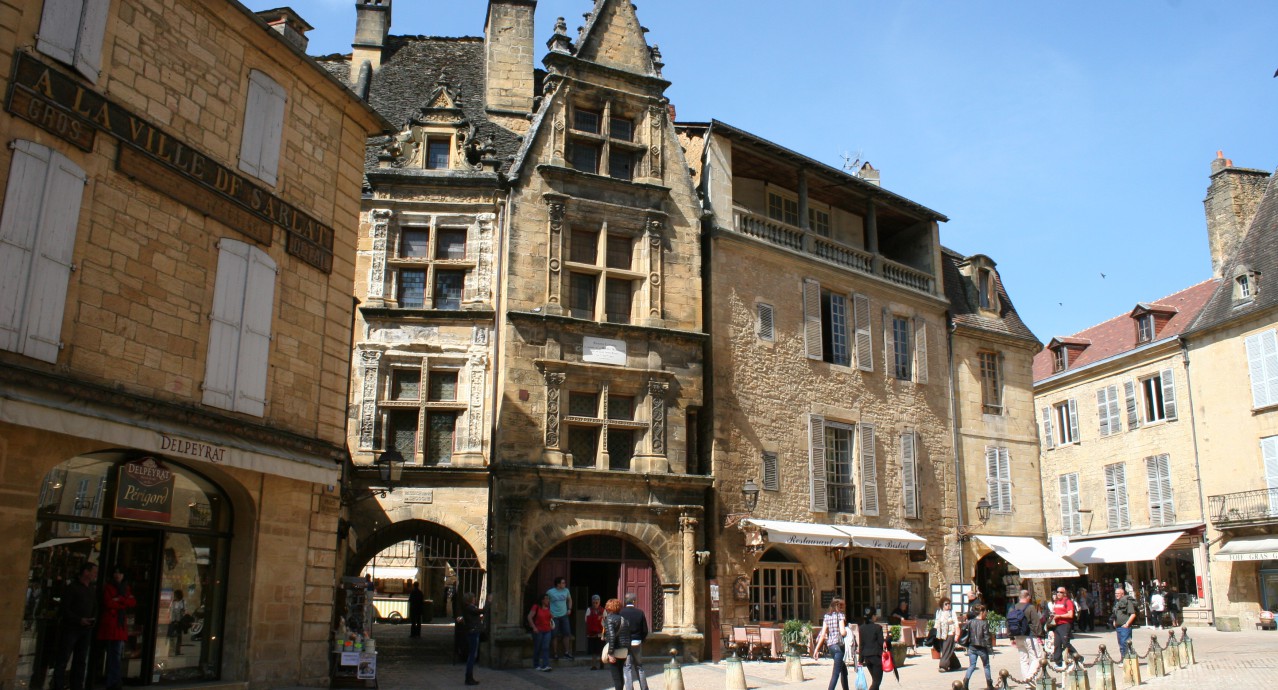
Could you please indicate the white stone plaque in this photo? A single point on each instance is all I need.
(604, 351)
(419, 495)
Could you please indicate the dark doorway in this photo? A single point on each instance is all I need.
(137, 552)
(593, 577)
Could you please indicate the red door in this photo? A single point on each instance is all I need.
(636, 577)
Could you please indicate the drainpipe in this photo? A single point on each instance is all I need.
(958, 445)
(1198, 472)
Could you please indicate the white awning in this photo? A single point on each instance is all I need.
(1261, 548)
(1032, 559)
(1130, 549)
(812, 534)
(57, 541)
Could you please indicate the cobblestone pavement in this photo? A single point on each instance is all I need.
(1234, 660)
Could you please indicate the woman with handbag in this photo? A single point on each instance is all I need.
(541, 622)
(946, 629)
(616, 635)
(976, 636)
(870, 647)
(834, 632)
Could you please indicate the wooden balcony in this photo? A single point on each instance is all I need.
(796, 239)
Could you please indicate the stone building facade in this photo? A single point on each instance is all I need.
(177, 249)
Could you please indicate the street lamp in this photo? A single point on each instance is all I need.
(750, 494)
(983, 510)
(390, 467)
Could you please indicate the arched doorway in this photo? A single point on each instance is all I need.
(443, 562)
(168, 528)
(598, 564)
(864, 584)
(779, 589)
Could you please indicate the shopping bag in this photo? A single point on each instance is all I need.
(863, 679)
(888, 666)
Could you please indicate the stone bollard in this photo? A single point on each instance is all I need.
(734, 678)
(1076, 678)
(1189, 645)
(674, 672)
(1105, 672)
(1046, 681)
(1171, 655)
(1131, 666)
(1155, 659)
(793, 667)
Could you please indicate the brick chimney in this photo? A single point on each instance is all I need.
(289, 25)
(1231, 203)
(508, 56)
(372, 23)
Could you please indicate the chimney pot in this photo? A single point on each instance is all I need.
(288, 24)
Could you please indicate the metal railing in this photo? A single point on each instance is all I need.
(1256, 506)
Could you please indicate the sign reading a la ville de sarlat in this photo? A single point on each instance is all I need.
(61, 105)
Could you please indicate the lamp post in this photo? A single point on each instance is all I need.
(982, 513)
(750, 497)
(390, 468)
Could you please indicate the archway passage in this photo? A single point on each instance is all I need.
(598, 564)
(438, 558)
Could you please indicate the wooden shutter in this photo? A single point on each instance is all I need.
(252, 368)
(861, 328)
(991, 478)
(812, 319)
(765, 329)
(771, 473)
(263, 127)
(1158, 472)
(1133, 408)
(1071, 519)
(869, 471)
(225, 324)
(889, 343)
(1269, 449)
(816, 463)
(37, 242)
(1047, 428)
(1168, 377)
(60, 29)
(1073, 421)
(909, 474)
(92, 33)
(1116, 496)
(1005, 480)
(920, 351)
(1262, 363)
(1102, 410)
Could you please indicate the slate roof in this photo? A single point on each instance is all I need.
(965, 307)
(1258, 251)
(1118, 335)
(411, 68)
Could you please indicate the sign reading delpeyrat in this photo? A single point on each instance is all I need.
(145, 491)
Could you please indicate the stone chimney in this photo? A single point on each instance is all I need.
(508, 56)
(289, 25)
(869, 173)
(372, 23)
(1232, 199)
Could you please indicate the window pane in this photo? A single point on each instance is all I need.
(451, 244)
(819, 222)
(838, 461)
(585, 247)
(991, 384)
(834, 328)
(414, 243)
(412, 289)
(439, 446)
(621, 128)
(401, 432)
(583, 404)
(405, 384)
(621, 448)
(621, 165)
(583, 443)
(621, 407)
(584, 157)
(437, 154)
(791, 211)
(585, 121)
(620, 251)
(901, 347)
(443, 386)
(582, 296)
(448, 289)
(617, 300)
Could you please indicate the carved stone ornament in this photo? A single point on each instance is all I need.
(369, 362)
(554, 384)
(475, 413)
(657, 392)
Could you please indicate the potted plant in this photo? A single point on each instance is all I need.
(796, 635)
(998, 626)
(899, 650)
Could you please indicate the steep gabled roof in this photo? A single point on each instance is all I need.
(965, 307)
(1118, 335)
(1258, 252)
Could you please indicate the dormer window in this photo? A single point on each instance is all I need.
(1245, 285)
(1144, 328)
(986, 290)
(438, 151)
(1060, 358)
(1065, 351)
(1150, 319)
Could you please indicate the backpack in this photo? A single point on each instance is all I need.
(1018, 624)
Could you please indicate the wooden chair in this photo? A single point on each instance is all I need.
(754, 641)
(725, 635)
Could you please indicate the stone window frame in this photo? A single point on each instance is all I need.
(434, 225)
(649, 389)
(425, 365)
(600, 269)
(990, 367)
(1246, 284)
(607, 109)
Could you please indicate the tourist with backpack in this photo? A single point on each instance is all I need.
(1025, 626)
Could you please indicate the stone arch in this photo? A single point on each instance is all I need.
(371, 518)
(648, 538)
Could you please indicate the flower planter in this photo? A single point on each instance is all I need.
(936, 654)
(898, 654)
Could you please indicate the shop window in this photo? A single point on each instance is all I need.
(779, 590)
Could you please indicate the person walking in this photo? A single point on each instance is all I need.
(870, 647)
(978, 645)
(1063, 614)
(617, 640)
(542, 624)
(946, 627)
(1083, 602)
(472, 622)
(113, 629)
(561, 610)
(834, 631)
(1157, 606)
(1025, 625)
(594, 632)
(76, 615)
(416, 606)
(1124, 617)
(638, 623)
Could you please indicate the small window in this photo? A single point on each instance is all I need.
(451, 244)
(442, 432)
(443, 386)
(414, 243)
(437, 153)
(991, 382)
(448, 289)
(412, 289)
(1060, 358)
(819, 222)
(405, 384)
(620, 252)
(1066, 423)
(621, 165)
(783, 209)
(585, 157)
(986, 288)
(765, 325)
(621, 128)
(401, 432)
(617, 300)
(901, 347)
(582, 295)
(1144, 328)
(1244, 286)
(585, 121)
(834, 329)
(585, 247)
(771, 472)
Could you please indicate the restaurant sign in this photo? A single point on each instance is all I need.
(61, 105)
(145, 491)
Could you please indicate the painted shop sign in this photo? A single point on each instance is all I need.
(192, 449)
(145, 491)
(60, 105)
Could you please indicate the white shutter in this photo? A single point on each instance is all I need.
(765, 324)
(920, 351)
(252, 369)
(1116, 496)
(60, 29)
(869, 471)
(92, 34)
(1047, 428)
(991, 478)
(864, 340)
(1168, 378)
(1269, 449)
(1133, 409)
(1071, 519)
(812, 318)
(263, 127)
(1161, 508)
(889, 343)
(771, 473)
(909, 474)
(1004, 480)
(37, 240)
(1062, 491)
(1102, 410)
(1073, 421)
(816, 463)
(1115, 415)
(1262, 363)
(226, 320)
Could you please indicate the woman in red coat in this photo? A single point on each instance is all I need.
(112, 624)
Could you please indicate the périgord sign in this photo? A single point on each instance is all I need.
(145, 491)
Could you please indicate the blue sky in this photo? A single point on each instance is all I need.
(1064, 139)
